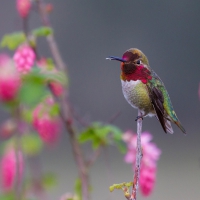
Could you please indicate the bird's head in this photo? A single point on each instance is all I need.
(134, 65)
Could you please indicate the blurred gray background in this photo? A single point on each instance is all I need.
(168, 32)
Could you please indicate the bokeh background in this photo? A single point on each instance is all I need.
(89, 31)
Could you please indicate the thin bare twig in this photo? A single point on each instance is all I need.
(136, 177)
(93, 158)
(114, 117)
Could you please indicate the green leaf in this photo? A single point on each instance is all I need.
(43, 31)
(28, 115)
(12, 41)
(95, 133)
(58, 76)
(54, 110)
(100, 134)
(121, 146)
(88, 134)
(33, 88)
(31, 144)
(117, 138)
(49, 181)
(7, 196)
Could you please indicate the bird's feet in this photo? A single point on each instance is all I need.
(139, 117)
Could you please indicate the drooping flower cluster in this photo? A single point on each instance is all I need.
(151, 154)
(23, 7)
(9, 168)
(46, 124)
(9, 79)
(24, 58)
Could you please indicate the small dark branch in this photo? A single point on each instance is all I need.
(83, 121)
(93, 158)
(25, 26)
(50, 39)
(114, 117)
(136, 177)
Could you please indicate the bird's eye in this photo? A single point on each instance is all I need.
(138, 62)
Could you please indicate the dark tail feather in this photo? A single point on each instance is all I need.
(168, 126)
(180, 126)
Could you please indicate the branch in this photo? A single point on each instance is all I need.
(66, 114)
(136, 177)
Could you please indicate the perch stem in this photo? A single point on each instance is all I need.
(136, 177)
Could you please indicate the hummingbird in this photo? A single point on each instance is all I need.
(144, 90)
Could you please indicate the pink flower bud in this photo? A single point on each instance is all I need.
(49, 8)
(46, 125)
(23, 7)
(9, 168)
(56, 88)
(24, 58)
(9, 79)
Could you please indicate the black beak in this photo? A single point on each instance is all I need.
(115, 58)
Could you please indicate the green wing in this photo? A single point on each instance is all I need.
(162, 103)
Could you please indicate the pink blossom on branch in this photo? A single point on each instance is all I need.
(151, 154)
(24, 58)
(47, 125)
(23, 7)
(9, 79)
(9, 168)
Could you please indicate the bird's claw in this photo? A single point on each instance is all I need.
(139, 117)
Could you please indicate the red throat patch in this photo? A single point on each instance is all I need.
(138, 73)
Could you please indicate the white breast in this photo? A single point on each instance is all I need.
(138, 99)
(128, 91)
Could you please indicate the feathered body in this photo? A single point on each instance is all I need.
(144, 90)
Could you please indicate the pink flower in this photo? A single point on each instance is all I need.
(151, 154)
(47, 126)
(56, 88)
(24, 58)
(9, 167)
(9, 79)
(147, 180)
(23, 7)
